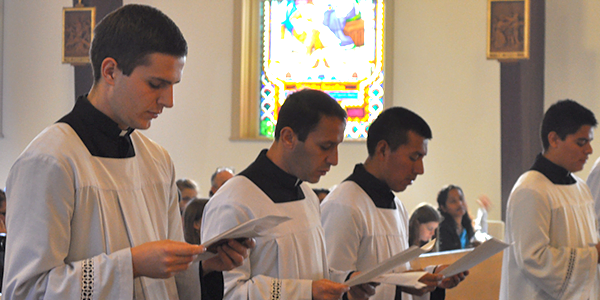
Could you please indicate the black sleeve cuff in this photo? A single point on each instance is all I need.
(211, 285)
(438, 294)
(345, 296)
(398, 293)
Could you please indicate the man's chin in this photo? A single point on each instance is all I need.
(313, 180)
(401, 188)
(143, 126)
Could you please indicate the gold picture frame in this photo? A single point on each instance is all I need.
(78, 31)
(508, 29)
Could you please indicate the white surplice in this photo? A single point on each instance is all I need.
(553, 229)
(360, 235)
(72, 218)
(286, 260)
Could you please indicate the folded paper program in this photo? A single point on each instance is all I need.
(249, 229)
(475, 257)
(389, 264)
(407, 279)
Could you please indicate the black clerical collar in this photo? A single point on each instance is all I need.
(555, 173)
(280, 186)
(99, 133)
(379, 191)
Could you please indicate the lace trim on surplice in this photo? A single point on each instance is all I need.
(87, 279)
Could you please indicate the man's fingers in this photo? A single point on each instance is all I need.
(431, 280)
(236, 258)
(239, 247)
(367, 289)
(250, 243)
(185, 249)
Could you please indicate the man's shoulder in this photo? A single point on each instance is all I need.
(532, 180)
(55, 140)
(237, 189)
(347, 193)
(535, 185)
(141, 140)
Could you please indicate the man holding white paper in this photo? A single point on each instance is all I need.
(290, 261)
(364, 222)
(92, 202)
(550, 215)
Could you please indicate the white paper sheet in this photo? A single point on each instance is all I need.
(249, 229)
(473, 258)
(389, 264)
(407, 279)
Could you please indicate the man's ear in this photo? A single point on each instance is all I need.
(108, 70)
(381, 149)
(553, 139)
(288, 137)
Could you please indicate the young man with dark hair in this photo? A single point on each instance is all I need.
(364, 222)
(93, 209)
(550, 215)
(289, 262)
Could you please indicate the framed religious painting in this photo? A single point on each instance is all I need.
(337, 46)
(508, 29)
(78, 30)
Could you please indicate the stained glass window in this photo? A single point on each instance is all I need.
(336, 46)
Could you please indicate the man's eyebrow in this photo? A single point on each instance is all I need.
(420, 152)
(164, 80)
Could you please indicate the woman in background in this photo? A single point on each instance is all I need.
(456, 228)
(192, 219)
(423, 225)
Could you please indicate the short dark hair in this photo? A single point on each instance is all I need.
(132, 32)
(565, 117)
(2, 196)
(393, 125)
(303, 110)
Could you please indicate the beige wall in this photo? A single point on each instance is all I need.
(573, 58)
(440, 71)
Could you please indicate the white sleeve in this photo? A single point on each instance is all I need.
(560, 271)
(239, 282)
(41, 196)
(343, 234)
(593, 181)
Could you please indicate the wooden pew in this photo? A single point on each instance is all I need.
(483, 281)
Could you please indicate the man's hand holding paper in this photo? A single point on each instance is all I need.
(451, 281)
(250, 229)
(230, 255)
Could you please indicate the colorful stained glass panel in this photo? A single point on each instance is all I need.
(332, 45)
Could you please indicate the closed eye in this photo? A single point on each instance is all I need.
(158, 83)
(155, 86)
(326, 147)
(416, 156)
(582, 142)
